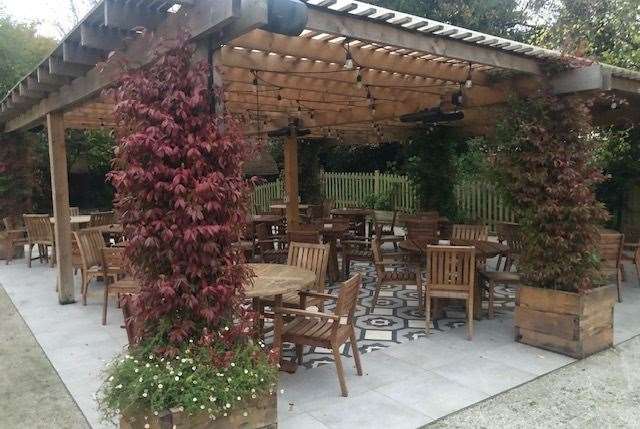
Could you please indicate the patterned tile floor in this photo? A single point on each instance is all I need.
(396, 319)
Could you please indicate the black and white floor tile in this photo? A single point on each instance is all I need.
(396, 318)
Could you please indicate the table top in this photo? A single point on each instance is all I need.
(75, 219)
(352, 211)
(266, 218)
(484, 249)
(277, 279)
(284, 206)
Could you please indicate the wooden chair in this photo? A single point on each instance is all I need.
(355, 250)
(327, 206)
(385, 230)
(15, 236)
(493, 278)
(74, 211)
(113, 268)
(423, 230)
(451, 272)
(503, 230)
(39, 233)
(515, 242)
(134, 329)
(387, 274)
(610, 251)
(102, 218)
(309, 328)
(304, 234)
(90, 244)
(272, 249)
(470, 232)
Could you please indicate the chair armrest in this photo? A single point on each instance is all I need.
(305, 313)
(319, 295)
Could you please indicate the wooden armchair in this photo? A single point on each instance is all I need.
(309, 328)
(113, 268)
(304, 234)
(610, 250)
(387, 274)
(470, 232)
(15, 235)
(39, 233)
(422, 229)
(272, 248)
(90, 244)
(451, 272)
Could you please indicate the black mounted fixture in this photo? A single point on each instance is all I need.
(286, 131)
(432, 116)
(288, 17)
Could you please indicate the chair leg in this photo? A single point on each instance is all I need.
(470, 319)
(355, 351)
(491, 299)
(29, 254)
(623, 272)
(335, 349)
(419, 285)
(299, 352)
(619, 286)
(105, 303)
(375, 295)
(85, 286)
(499, 262)
(346, 266)
(53, 255)
(427, 313)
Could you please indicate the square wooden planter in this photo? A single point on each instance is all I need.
(573, 324)
(261, 414)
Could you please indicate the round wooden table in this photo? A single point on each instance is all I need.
(274, 280)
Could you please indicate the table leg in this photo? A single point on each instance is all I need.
(333, 272)
(278, 326)
(477, 299)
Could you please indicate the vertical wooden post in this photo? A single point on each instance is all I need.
(291, 177)
(60, 194)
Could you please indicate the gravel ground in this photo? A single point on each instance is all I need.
(32, 396)
(602, 391)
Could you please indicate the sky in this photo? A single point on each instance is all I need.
(55, 17)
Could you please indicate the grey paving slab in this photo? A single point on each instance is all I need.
(300, 421)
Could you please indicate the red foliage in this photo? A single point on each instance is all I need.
(182, 199)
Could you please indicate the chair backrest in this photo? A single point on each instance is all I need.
(312, 257)
(90, 243)
(39, 228)
(425, 229)
(327, 206)
(451, 268)
(610, 249)
(348, 298)
(304, 234)
(74, 211)
(102, 218)
(12, 223)
(112, 258)
(470, 232)
(377, 257)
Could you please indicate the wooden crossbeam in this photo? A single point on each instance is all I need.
(302, 47)
(58, 67)
(46, 78)
(34, 84)
(100, 38)
(30, 92)
(128, 16)
(74, 53)
(325, 21)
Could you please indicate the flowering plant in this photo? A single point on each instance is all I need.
(182, 200)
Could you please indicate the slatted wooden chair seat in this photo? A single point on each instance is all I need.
(39, 233)
(470, 232)
(451, 273)
(331, 331)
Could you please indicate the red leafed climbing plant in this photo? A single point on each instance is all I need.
(182, 199)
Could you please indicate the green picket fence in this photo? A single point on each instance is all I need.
(477, 200)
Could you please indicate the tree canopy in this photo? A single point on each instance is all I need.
(20, 50)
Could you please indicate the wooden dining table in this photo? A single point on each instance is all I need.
(484, 250)
(358, 216)
(75, 220)
(272, 281)
(331, 233)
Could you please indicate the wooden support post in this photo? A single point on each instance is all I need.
(60, 193)
(291, 177)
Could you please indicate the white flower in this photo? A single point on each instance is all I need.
(246, 371)
(212, 399)
(281, 390)
(202, 407)
(171, 372)
(226, 328)
(177, 378)
(140, 379)
(144, 394)
(136, 370)
(239, 398)
(253, 396)
(180, 373)
(195, 399)
(150, 357)
(111, 378)
(225, 414)
(193, 368)
(146, 426)
(233, 364)
(253, 390)
(191, 341)
(155, 377)
(245, 414)
(227, 405)
(119, 386)
(160, 386)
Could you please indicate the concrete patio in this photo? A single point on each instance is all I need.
(406, 385)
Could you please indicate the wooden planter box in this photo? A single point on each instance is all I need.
(261, 414)
(574, 324)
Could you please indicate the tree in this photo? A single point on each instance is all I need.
(505, 18)
(20, 50)
(606, 30)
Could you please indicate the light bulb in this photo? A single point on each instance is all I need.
(468, 84)
(348, 64)
(359, 81)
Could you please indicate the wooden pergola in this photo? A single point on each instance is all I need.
(330, 67)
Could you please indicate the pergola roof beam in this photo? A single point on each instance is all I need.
(103, 38)
(128, 16)
(74, 53)
(58, 67)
